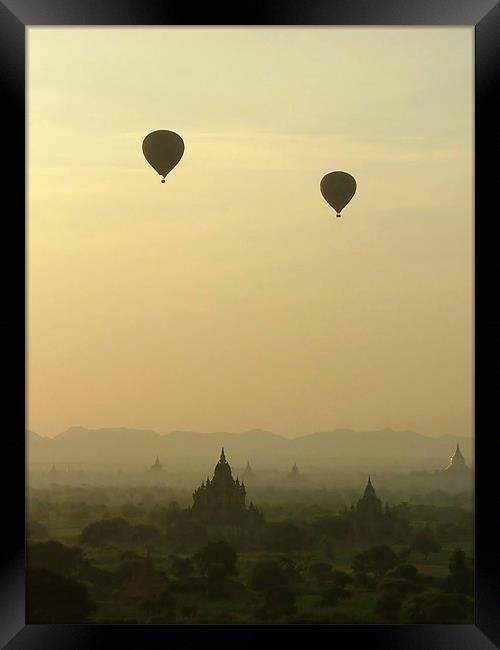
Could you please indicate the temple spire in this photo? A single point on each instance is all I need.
(222, 456)
(457, 460)
(156, 466)
(248, 471)
(369, 489)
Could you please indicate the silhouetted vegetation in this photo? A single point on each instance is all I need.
(52, 598)
(425, 542)
(136, 554)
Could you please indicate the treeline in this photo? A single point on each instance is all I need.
(62, 512)
(170, 525)
(65, 587)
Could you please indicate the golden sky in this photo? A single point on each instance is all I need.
(231, 297)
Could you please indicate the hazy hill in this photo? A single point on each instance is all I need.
(38, 447)
(132, 446)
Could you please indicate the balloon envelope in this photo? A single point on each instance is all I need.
(163, 150)
(337, 189)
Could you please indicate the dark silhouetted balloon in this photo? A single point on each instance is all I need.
(337, 189)
(163, 150)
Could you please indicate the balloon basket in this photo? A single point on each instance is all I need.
(163, 180)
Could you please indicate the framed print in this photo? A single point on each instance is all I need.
(249, 280)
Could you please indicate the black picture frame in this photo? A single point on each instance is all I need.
(15, 17)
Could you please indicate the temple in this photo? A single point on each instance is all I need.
(145, 583)
(457, 463)
(371, 520)
(156, 466)
(369, 506)
(221, 500)
(248, 473)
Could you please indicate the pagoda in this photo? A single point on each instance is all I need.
(369, 506)
(145, 583)
(457, 463)
(221, 500)
(371, 520)
(248, 473)
(295, 474)
(156, 466)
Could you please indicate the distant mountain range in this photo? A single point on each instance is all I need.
(136, 447)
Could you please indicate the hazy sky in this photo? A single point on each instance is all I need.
(231, 297)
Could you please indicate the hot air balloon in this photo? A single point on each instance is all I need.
(163, 150)
(337, 189)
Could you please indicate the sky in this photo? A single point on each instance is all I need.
(231, 297)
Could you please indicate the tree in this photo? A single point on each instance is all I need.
(164, 605)
(284, 536)
(404, 554)
(320, 571)
(340, 579)
(167, 518)
(52, 598)
(128, 569)
(399, 586)
(330, 596)
(364, 580)
(103, 582)
(458, 562)
(280, 600)
(106, 531)
(377, 560)
(217, 560)
(461, 577)
(404, 572)
(436, 606)
(184, 532)
(291, 569)
(145, 533)
(267, 574)
(159, 516)
(129, 555)
(424, 542)
(336, 527)
(388, 605)
(77, 513)
(181, 567)
(55, 557)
